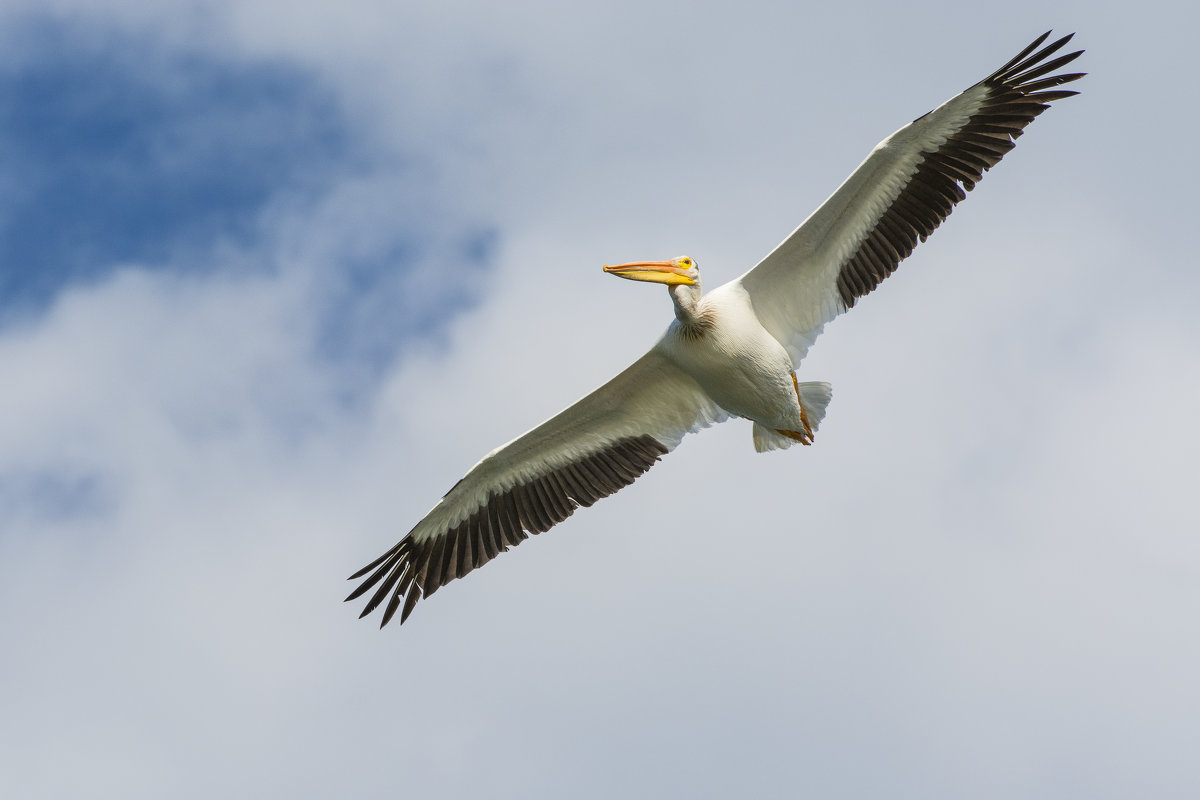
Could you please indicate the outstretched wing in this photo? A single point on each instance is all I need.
(908, 184)
(594, 448)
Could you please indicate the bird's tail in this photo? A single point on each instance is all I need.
(814, 399)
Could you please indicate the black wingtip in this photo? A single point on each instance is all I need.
(1028, 49)
(390, 610)
(409, 604)
(375, 563)
(1015, 69)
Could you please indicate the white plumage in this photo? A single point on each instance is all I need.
(731, 352)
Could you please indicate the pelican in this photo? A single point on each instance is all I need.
(732, 352)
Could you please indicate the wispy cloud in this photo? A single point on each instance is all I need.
(120, 153)
(272, 276)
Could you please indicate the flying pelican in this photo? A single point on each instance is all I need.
(732, 352)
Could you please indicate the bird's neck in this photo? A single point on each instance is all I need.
(686, 299)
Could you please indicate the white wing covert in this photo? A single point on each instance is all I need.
(592, 449)
(904, 189)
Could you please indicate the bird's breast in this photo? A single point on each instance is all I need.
(736, 361)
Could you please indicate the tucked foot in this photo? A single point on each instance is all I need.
(803, 414)
(802, 438)
(813, 398)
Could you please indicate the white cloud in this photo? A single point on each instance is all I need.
(976, 583)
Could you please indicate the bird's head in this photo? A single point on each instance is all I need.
(678, 271)
(681, 275)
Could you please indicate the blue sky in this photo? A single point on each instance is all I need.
(125, 154)
(130, 155)
(272, 276)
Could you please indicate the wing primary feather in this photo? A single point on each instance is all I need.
(1015, 103)
(971, 157)
(1023, 59)
(559, 504)
(542, 504)
(866, 265)
(416, 568)
(530, 520)
(495, 527)
(450, 561)
(1049, 97)
(935, 192)
(886, 259)
(510, 519)
(650, 448)
(384, 563)
(514, 534)
(392, 605)
(466, 553)
(885, 250)
(954, 155)
(962, 163)
(579, 487)
(550, 501)
(899, 234)
(1017, 58)
(905, 210)
(560, 482)
(542, 514)
(991, 126)
(595, 481)
(384, 589)
(450, 557)
(1038, 72)
(561, 496)
(622, 464)
(629, 459)
(487, 533)
(410, 603)
(478, 528)
(922, 192)
(601, 467)
(524, 514)
(1047, 51)
(544, 510)
(431, 574)
(409, 578)
(646, 450)
(376, 562)
(611, 470)
(374, 579)
(993, 143)
(625, 470)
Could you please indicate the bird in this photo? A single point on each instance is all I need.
(731, 352)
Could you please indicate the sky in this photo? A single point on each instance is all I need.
(274, 275)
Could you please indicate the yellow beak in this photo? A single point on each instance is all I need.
(651, 271)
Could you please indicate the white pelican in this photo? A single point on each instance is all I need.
(731, 352)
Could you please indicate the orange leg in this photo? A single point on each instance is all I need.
(797, 435)
(803, 413)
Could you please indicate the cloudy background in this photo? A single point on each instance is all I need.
(272, 276)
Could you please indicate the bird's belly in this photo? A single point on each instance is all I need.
(749, 377)
(763, 396)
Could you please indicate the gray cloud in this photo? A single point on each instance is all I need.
(977, 583)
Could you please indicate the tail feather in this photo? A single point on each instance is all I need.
(766, 439)
(814, 399)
